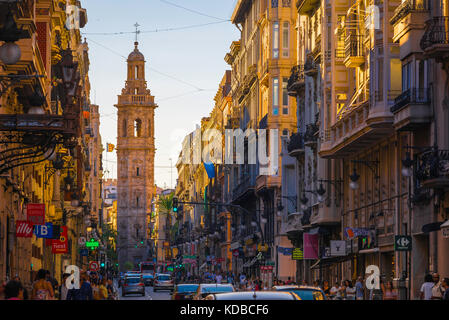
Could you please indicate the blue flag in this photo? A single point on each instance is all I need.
(210, 169)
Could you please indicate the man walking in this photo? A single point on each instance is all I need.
(437, 290)
(359, 291)
(445, 285)
(218, 278)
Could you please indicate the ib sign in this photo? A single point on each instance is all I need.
(44, 231)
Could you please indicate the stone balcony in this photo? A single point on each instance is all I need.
(354, 52)
(412, 109)
(409, 21)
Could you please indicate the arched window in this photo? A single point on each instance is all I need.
(136, 91)
(137, 72)
(149, 128)
(125, 127)
(138, 128)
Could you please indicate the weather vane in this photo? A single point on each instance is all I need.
(137, 30)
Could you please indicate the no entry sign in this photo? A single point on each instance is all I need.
(94, 266)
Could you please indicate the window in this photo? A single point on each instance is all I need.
(285, 132)
(406, 77)
(274, 3)
(149, 128)
(138, 128)
(276, 40)
(137, 201)
(284, 96)
(137, 72)
(137, 171)
(136, 91)
(285, 39)
(275, 96)
(125, 128)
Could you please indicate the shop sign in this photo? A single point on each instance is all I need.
(60, 245)
(269, 263)
(36, 213)
(44, 231)
(327, 252)
(266, 268)
(298, 254)
(285, 251)
(338, 248)
(92, 244)
(445, 229)
(24, 229)
(402, 243)
(310, 246)
(235, 252)
(352, 233)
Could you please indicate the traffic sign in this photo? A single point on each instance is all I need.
(402, 243)
(94, 266)
(82, 241)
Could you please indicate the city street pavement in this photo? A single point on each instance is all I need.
(149, 294)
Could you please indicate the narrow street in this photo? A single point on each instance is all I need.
(149, 294)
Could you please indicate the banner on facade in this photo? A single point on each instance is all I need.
(24, 229)
(310, 246)
(36, 213)
(60, 245)
(44, 231)
(285, 251)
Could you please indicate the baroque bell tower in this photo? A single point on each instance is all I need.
(135, 158)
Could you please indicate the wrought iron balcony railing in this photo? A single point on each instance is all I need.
(409, 6)
(310, 135)
(354, 46)
(413, 95)
(437, 32)
(433, 164)
(296, 142)
(296, 80)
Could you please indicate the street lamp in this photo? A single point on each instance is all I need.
(407, 165)
(10, 52)
(354, 178)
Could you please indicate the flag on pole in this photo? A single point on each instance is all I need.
(110, 147)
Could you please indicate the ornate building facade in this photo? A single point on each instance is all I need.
(135, 155)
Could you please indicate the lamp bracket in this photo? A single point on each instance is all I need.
(373, 165)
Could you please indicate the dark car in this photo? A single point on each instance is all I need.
(148, 278)
(184, 291)
(133, 285)
(304, 292)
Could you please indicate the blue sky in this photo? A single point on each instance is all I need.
(194, 57)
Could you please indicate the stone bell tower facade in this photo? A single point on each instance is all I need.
(135, 158)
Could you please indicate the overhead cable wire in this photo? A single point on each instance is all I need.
(191, 10)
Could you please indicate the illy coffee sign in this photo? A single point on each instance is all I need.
(24, 229)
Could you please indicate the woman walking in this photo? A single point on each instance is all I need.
(42, 289)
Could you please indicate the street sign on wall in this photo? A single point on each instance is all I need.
(402, 243)
(338, 248)
(94, 266)
(36, 213)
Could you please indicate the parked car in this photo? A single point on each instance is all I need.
(163, 282)
(133, 285)
(253, 295)
(304, 292)
(204, 289)
(184, 291)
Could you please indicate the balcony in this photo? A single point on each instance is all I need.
(245, 187)
(433, 169)
(296, 82)
(408, 7)
(307, 7)
(354, 55)
(310, 67)
(411, 109)
(435, 42)
(310, 137)
(296, 145)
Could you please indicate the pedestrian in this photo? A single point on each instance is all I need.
(350, 290)
(304, 283)
(335, 293)
(84, 292)
(390, 293)
(342, 290)
(42, 289)
(63, 289)
(53, 281)
(103, 289)
(326, 288)
(359, 290)
(13, 290)
(445, 285)
(426, 288)
(111, 291)
(437, 290)
(218, 278)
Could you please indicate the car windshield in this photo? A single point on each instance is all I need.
(307, 294)
(217, 289)
(189, 288)
(163, 278)
(132, 280)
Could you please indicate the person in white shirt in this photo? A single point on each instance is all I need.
(218, 278)
(426, 288)
(335, 291)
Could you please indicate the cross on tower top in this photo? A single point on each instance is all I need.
(137, 32)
